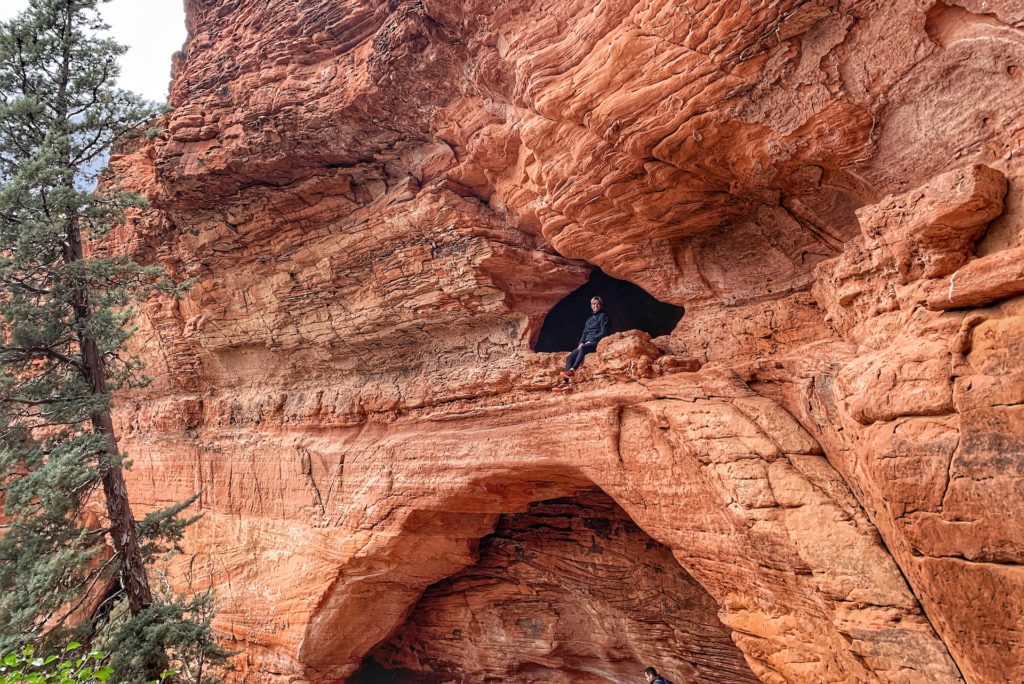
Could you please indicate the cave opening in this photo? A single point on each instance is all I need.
(569, 590)
(629, 307)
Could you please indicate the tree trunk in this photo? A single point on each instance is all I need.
(122, 523)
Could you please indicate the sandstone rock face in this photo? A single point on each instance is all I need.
(380, 203)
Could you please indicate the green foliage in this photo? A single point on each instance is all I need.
(162, 530)
(180, 628)
(71, 666)
(67, 302)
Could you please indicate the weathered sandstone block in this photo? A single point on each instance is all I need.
(981, 282)
(931, 231)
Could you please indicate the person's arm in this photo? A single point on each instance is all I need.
(606, 325)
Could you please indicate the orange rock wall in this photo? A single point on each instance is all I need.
(380, 202)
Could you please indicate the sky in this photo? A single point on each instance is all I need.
(153, 30)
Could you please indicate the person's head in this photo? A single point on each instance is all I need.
(596, 304)
(651, 674)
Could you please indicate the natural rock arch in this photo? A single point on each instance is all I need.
(726, 479)
(570, 588)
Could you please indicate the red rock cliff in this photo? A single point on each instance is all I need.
(381, 201)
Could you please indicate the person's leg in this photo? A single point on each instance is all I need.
(580, 353)
(571, 361)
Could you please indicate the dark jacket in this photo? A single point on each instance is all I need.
(598, 326)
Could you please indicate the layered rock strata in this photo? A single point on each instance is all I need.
(380, 202)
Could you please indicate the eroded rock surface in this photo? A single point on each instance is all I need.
(380, 202)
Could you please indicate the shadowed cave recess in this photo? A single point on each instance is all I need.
(569, 590)
(629, 307)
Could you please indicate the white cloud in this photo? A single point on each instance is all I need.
(153, 30)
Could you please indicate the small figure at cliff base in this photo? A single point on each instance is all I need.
(652, 676)
(598, 326)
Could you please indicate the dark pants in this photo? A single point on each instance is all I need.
(575, 359)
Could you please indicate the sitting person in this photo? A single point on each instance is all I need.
(598, 326)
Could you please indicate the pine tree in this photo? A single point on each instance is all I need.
(65, 313)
